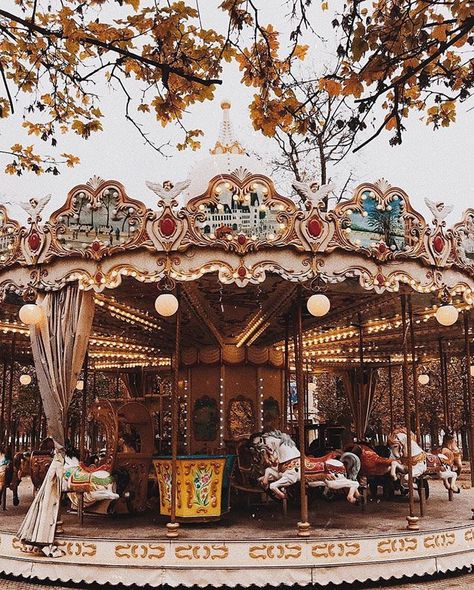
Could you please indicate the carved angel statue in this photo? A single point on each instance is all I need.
(34, 208)
(168, 191)
(439, 209)
(312, 191)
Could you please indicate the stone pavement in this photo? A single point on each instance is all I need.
(457, 581)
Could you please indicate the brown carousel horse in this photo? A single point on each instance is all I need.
(450, 449)
(373, 464)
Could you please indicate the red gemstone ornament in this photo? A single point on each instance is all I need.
(34, 241)
(315, 227)
(241, 239)
(96, 246)
(167, 226)
(241, 272)
(98, 277)
(380, 279)
(438, 244)
(382, 248)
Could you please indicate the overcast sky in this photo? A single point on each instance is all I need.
(438, 165)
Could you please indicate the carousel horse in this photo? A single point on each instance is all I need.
(280, 457)
(450, 445)
(97, 484)
(437, 465)
(5, 474)
(20, 466)
(373, 464)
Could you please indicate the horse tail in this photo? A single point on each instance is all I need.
(352, 464)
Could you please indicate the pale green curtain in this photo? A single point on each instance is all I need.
(59, 344)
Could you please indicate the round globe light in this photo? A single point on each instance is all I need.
(166, 304)
(80, 385)
(318, 305)
(31, 314)
(25, 379)
(447, 315)
(423, 379)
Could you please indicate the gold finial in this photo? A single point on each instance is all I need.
(225, 104)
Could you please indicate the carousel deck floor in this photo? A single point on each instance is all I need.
(254, 546)
(333, 519)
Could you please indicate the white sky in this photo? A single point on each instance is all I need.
(438, 165)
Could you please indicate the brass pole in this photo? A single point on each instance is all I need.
(421, 490)
(412, 519)
(286, 396)
(4, 393)
(449, 415)
(467, 352)
(414, 371)
(303, 525)
(390, 392)
(360, 430)
(443, 389)
(173, 526)
(82, 430)
(8, 419)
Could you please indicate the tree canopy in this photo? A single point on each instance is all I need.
(391, 58)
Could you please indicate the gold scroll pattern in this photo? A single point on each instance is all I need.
(212, 552)
(397, 545)
(279, 551)
(328, 550)
(78, 548)
(140, 551)
(439, 540)
(469, 536)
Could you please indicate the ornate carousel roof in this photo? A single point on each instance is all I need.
(241, 253)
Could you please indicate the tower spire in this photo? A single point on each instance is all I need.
(227, 142)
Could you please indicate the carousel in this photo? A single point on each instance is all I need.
(185, 336)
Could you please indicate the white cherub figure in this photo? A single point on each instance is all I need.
(313, 191)
(439, 209)
(168, 191)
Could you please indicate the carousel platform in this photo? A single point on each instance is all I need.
(254, 545)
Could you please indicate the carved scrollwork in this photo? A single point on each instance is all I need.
(380, 222)
(97, 219)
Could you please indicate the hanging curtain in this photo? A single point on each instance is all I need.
(59, 344)
(360, 390)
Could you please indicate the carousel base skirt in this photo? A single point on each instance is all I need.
(252, 545)
(206, 562)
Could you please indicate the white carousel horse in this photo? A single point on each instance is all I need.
(279, 455)
(436, 465)
(97, 483)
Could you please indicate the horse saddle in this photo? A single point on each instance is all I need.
(81, 480)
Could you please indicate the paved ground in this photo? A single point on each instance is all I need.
(457, 581)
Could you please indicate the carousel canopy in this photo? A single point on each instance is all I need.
(241, 254)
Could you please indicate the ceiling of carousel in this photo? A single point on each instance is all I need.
(129, 333)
